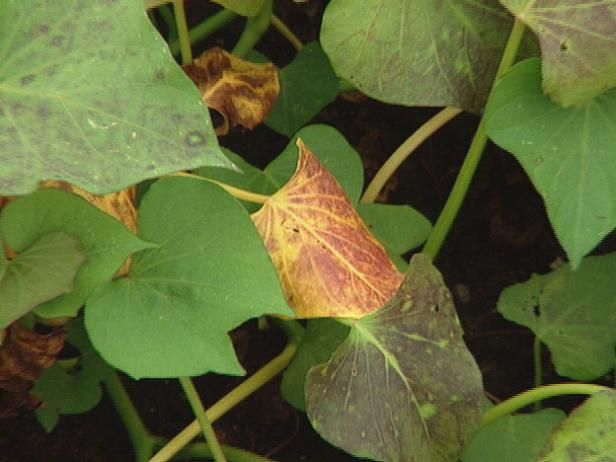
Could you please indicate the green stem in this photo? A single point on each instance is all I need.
(405, 150)
(286, 32)
(538, 368)
(461, 185)
(182, 26)
(142, 441)
(205, 29)
(199, 450)
(536, 394)
(206, 425)
(253, 30)
(242, 391)
(167, 14)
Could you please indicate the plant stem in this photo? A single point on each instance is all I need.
(461, 185)
(538, 368)
(169, 19)
(530, 396)
(405, 150)
(142, 441)
(238, 193)
(202, 451)
(286, 32)
(205, 28)
(180, 21)
(253, 30)
(206, 425)
(245, 389)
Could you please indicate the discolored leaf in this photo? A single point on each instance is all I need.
(402, 386)
(572, 312)
(417, 52)
(241, 91)
(577, 39)
(23, 356)
(40, 272)
(588, 434)
(99, 114)
(329, 263)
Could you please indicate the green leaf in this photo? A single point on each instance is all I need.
(400, 228)
(417, 52)
(588, 434)
(577, 39)
(105, 241)
(327, 143)
(243, 7)
(41, 271)
(307, 85)
(572, 312)
(518, 438)
(403, 385)
(566, 152)
(321, 338)
(210, 273)
(71, 390)
(99, 113)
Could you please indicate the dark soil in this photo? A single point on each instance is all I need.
(501, 237)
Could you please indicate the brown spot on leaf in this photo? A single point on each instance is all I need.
(329, 263)
(242, 92)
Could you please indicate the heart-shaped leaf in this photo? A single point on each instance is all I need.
(577, 39)
(572, 312)
(44, 270)
(98, 113)
(105, 242)
(329, 263)
(417, 52)
(567, 153)
(210, 273)
(403, 385)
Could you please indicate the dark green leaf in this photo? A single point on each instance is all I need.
(307, 85)
(588, 434)
(572, 312)
(567, 153)
(43, 270)
(577, 40)
(403, 385)
(105, 241)
(417, 52)
(90, 94)
(210, 273)
(321, 338)
(518, 438)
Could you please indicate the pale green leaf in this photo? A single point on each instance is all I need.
(403, 385)
(572, 312)
(90, 94)
(171, 315)
(568, 153)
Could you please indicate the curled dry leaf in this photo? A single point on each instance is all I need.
(23, 356)
(329, 263)
(241, 91)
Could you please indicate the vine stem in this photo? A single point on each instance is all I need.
(286, 32)
(528, 397)
(254, 29)
(405, 150)
(462, 183)
(204, 422)
(205, 28)
(238, 193)
(180, 21)
(245, 389)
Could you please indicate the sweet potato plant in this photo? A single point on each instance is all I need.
(133, 243)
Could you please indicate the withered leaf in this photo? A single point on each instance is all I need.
(23, 356)
(329, 263)
(241, 91)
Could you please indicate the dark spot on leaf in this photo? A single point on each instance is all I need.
(43, 112)
(295, 230)
(150, 167)
(537, 311)
(52, 70)
(26, 80)
(176, 118)
(195, 138)
(436, 308)
(159, 75)
(57, 41)
(44, 28)
(564, 46)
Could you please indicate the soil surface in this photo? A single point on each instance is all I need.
(501, 237)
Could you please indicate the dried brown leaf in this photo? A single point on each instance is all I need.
(329, 263)
(241, 91)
